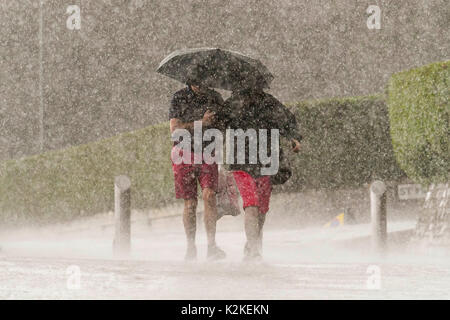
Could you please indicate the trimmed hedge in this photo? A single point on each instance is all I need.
(346, 143)
(62, 184)
(419, 110)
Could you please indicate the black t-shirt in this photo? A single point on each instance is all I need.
(258, 110)
(188, 106)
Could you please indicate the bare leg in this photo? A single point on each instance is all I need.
(261, 220)
(189, 221)
(210, 217)
(251, 231)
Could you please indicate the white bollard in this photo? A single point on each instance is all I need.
(122, 210)
(378, 215)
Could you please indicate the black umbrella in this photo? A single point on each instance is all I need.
(215, 68)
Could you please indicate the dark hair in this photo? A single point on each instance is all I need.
(255, 85)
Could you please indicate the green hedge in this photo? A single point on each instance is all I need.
(419, 110)
(62, 184)
(346, 143)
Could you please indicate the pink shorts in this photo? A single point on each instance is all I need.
(255, 192)
(187, 175)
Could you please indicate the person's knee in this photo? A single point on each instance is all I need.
(209, 195)
(252, 211)
(261, 218)
(190, 205)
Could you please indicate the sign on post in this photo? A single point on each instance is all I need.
(411, 191)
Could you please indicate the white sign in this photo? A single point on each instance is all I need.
(411, 191)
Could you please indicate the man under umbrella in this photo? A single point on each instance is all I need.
(190, 104)
(249, 107)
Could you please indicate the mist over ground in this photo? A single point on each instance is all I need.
(302, 259)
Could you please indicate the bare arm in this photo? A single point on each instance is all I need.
(295, 145)
(175, 123)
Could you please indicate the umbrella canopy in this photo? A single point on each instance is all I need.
(215, 68)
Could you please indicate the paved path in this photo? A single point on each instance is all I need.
(312, 263)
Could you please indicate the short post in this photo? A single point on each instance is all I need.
(122, 210)
(378, 215)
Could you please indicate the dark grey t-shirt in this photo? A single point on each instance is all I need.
(188, 106)
(258, 110)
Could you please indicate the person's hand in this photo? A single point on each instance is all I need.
(208, 118)
(295, 145)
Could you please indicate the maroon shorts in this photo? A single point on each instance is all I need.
(186, 177)
(255, 192)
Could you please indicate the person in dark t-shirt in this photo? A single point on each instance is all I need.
(196, 103)
(254, 109)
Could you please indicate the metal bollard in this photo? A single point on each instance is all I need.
(122, 210)
(378, 215)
